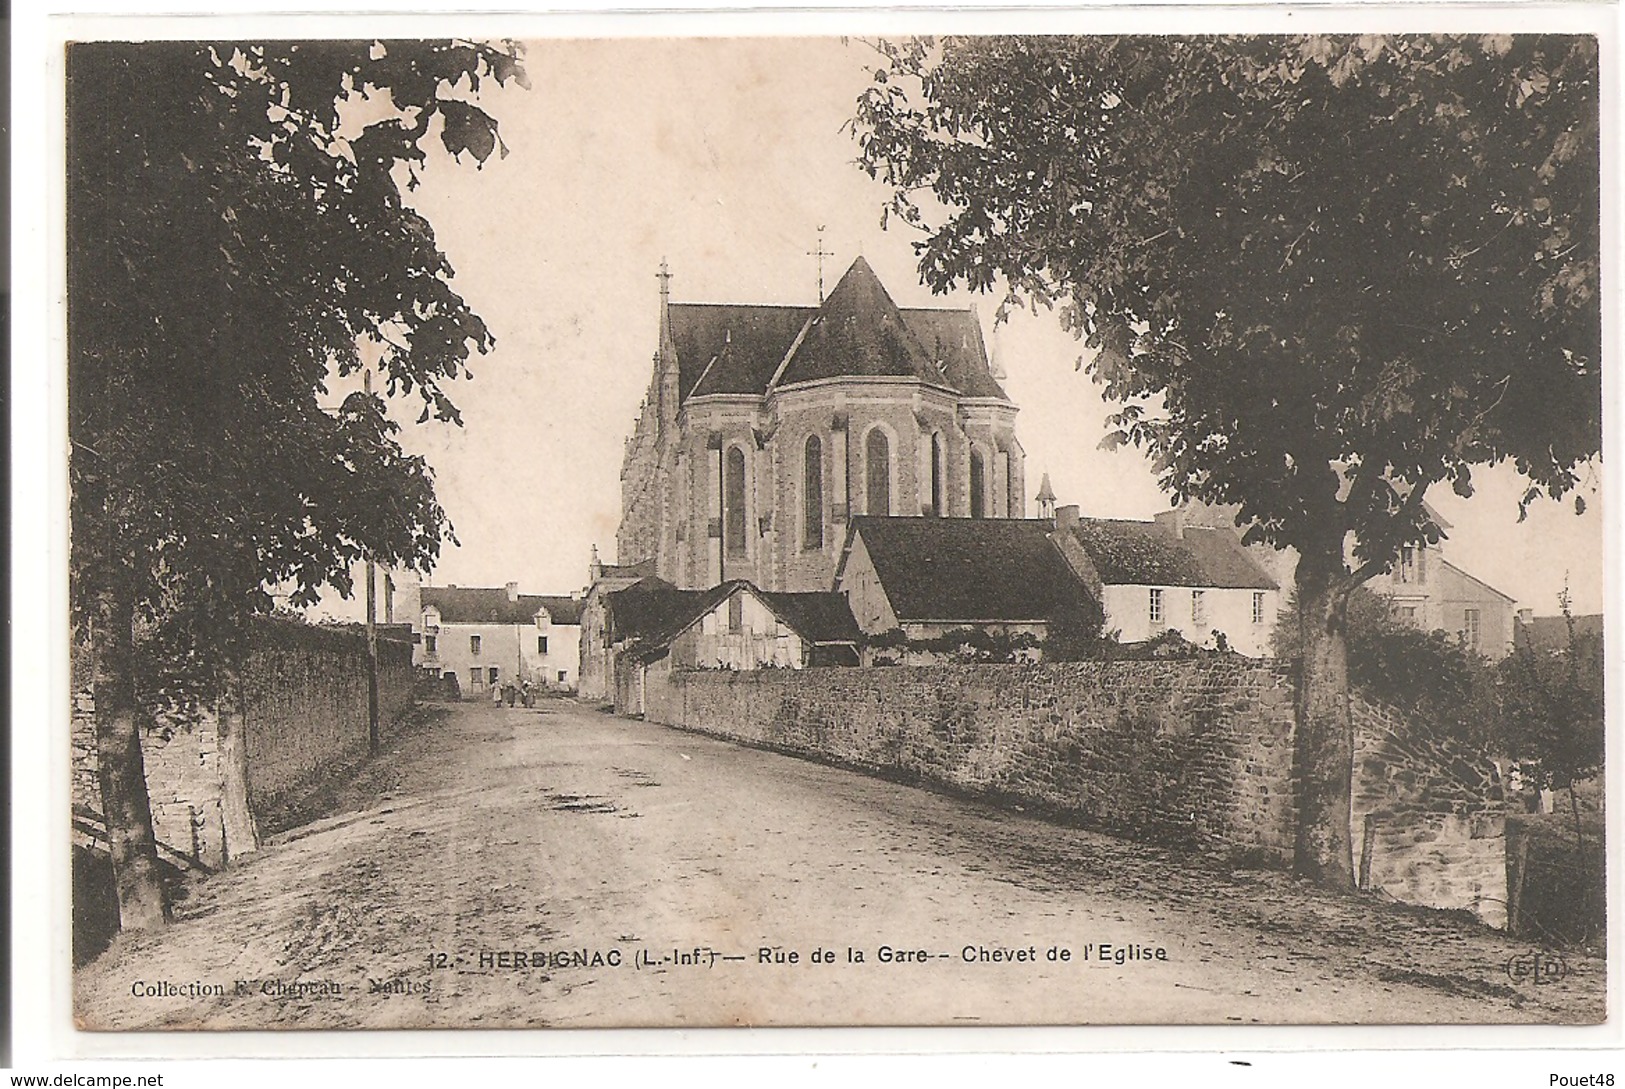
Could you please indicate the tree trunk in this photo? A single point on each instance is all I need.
(1323, 752)
(142, 902)
(236, 818)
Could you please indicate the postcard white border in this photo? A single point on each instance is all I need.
(43, 1031)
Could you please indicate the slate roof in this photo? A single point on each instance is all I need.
(560, 609)
(859, 330)
(1550, 634)
(971, 569)
(747, 344)
(1146, 554)
(955, 337)
(641, 569)
(490, 605)
(819, 617)
(651, 612)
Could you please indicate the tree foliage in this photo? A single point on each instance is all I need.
(1319, 275)
(1553, 707)
(1371, 258)
(237, 234)
(1441, 685)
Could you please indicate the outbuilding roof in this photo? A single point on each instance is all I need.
(971, 569)
(652, 612)
(822, 616)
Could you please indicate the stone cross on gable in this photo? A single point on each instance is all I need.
(664, 276)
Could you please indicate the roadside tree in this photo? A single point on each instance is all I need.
(1320, 275)
(236, 234)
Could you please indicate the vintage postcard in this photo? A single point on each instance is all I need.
(1052, 529)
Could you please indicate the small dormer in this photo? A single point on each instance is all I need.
(543, 619)
(431, 619)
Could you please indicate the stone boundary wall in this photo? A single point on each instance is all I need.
(1192, 753)
(304, 705)
(1195, 754)
(1431, 816)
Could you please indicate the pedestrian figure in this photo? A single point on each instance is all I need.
(511, 692)
(496, 694)
(525, 693)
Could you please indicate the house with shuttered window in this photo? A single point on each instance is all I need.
(487, 637)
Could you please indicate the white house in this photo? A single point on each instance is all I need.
(493, 636)
(1152, 577)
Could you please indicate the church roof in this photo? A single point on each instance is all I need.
(971, 569)
(859, 331)
(731, 349)
(1147, 554)
(737, 349)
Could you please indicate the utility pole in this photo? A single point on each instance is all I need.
(373, 739)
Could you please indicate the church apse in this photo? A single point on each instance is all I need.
(767, 428)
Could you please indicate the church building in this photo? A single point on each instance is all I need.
(766, 429)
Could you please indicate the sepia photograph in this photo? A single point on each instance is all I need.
(869, 531)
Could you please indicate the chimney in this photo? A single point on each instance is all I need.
(1173, 521)
(513, 591)
(1066, 517)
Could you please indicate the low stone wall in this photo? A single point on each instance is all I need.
(1194, 754)
(304, 711)
(1429, 818)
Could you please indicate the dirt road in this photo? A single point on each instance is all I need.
(502, 867)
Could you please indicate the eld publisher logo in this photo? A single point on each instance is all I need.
(1536, 968)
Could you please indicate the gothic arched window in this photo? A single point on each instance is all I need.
(812, 495)
(877, 464)
(937, 473)
(978, 486)
(733, 501)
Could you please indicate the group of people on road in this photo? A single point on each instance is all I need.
(513, 693)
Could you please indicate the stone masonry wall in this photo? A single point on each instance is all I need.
(305, 706)
(181, 756)
(305, 712)
(1436, 814)
(1195, 754)
(1190, 753)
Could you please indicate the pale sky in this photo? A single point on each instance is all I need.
(724, 157)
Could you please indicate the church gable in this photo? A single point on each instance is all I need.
(859, 332)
